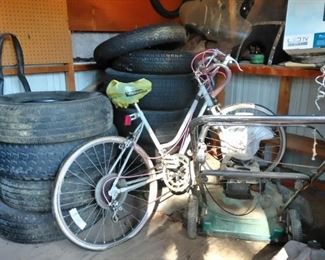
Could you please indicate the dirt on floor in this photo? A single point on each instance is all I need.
(164, 237)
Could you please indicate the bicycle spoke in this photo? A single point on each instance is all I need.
(79, 191)
(102, 213)
(130, 164)
(98, 160)
(80, 210)
(82, 169)
(135, 168)
(103, 225)
(129, 205)
(104, 154)
(94, 163)
(85, 179)
(73, 202)
(137, 197)
(92, 225)
(110, 157)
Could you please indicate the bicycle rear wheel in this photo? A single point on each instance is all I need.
(102, 220)
(269, 153)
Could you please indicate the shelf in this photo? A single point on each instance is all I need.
(263, 70)
(37, 69)
(275, 70)
(78, 67)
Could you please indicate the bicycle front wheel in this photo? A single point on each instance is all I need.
(86, 211)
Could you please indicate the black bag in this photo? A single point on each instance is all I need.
(20, 62)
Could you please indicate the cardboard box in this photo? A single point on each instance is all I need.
(305, 27)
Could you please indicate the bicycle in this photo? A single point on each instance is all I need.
(115, 181)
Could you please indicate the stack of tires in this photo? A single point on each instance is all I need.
(150, 53)
(37, 132)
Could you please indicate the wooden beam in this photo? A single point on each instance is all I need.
(277, 71)
(302, 144)
(40, 69)
(85, 67)
(284, 96)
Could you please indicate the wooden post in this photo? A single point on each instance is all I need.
(69, 78)
(284, 95)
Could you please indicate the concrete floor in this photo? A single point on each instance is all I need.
(164, 237)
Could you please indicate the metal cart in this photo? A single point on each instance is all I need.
(269, 217)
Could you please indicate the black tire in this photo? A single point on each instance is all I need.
(37, 161)
(154, 62)
(168, 120)
(53, 116)
(169, 92)
(36, 196)
(27, 227)
(138, 39)
(25, 195)
(170, 14)
(294, 227)
(192, 216)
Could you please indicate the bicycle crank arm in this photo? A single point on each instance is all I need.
(138, 183)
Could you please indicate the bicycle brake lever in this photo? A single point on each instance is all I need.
(229, 60)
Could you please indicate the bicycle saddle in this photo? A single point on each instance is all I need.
(125, 94)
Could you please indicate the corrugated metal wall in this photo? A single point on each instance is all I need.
(39, 82)
(51, 81)
(86, 78)
(262, 90)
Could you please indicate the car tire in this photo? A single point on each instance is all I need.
(138, 39)
(169, 92)
(53, 116)
(154, 62)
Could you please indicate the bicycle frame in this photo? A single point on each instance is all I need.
(213, 69)
(162, 148)
(183, 131)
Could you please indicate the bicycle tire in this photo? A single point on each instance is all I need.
(273, 151)
(279, 132)
(103, 204)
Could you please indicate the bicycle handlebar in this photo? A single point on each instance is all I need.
(207, 64)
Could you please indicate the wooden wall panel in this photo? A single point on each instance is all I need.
(115, 15)
(41, 27)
